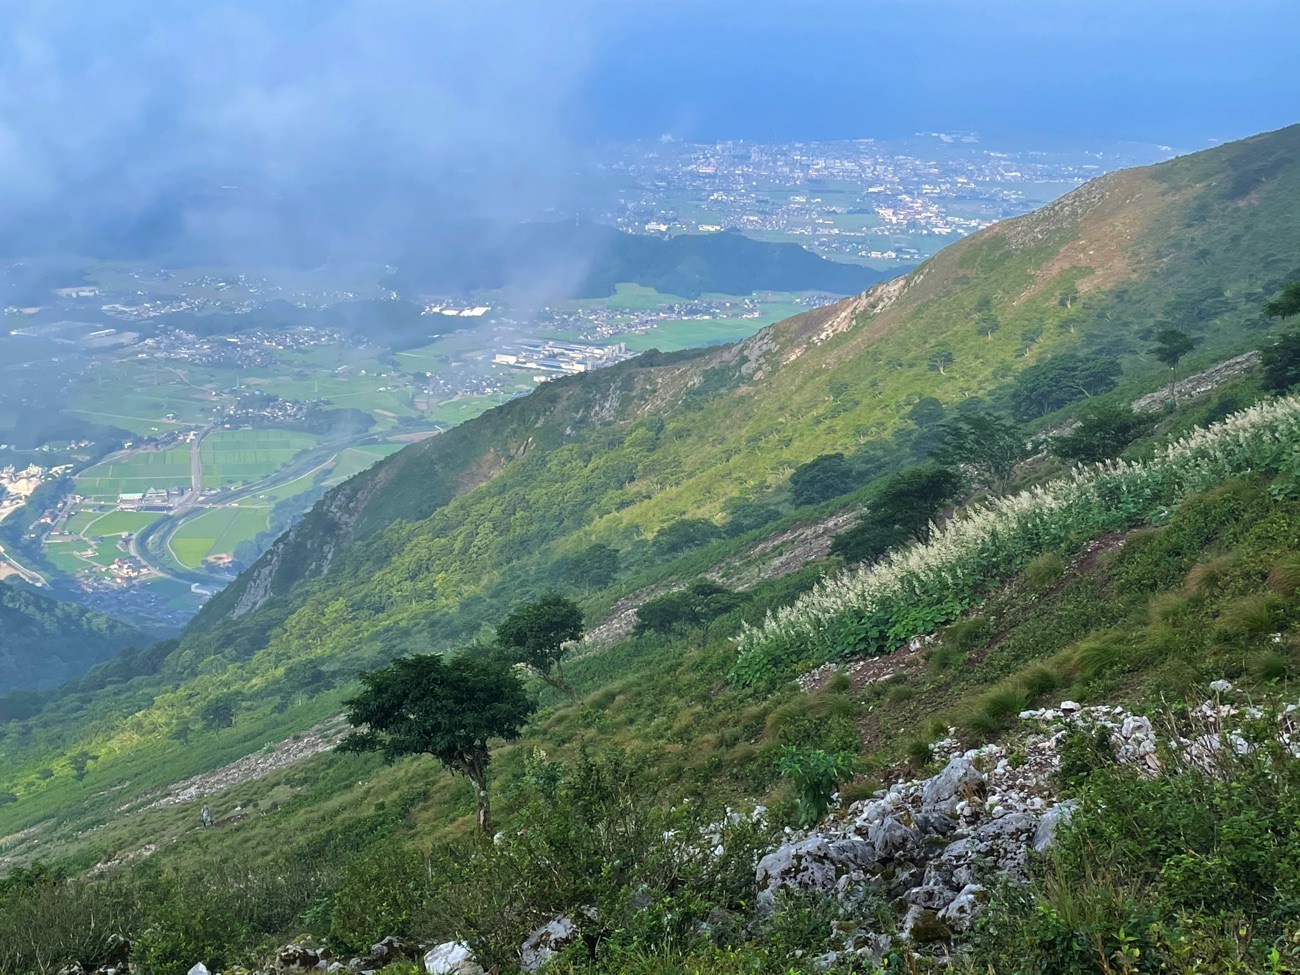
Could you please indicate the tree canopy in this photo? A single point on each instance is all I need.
(823, 478)
(536, 635)
(1102, 433)
(901, 510)
(1286, 303)
(697, 605)
(988, 444)
(450, 709)
(1059, 381)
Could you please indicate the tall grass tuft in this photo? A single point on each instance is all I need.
(1100, 652)
(1205, 578)
(1284, 577)
(1249, 615)
(1045, 571)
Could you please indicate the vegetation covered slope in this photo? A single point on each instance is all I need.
(45, 641)
(665, 454)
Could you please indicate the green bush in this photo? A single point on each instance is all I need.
(815, 774)
(378, 893)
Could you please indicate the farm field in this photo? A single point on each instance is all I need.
(120, 522)
(244, 456)
(465, 408)
(216, 530)
(671, 336)
(168, 468)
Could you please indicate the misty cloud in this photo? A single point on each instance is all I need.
(130, 124)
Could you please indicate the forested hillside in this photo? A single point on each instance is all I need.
(1028, 538)
(44, 641)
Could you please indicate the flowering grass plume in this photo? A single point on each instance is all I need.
(874, 609)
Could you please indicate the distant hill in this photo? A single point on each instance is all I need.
(589, 260)
(45, 641)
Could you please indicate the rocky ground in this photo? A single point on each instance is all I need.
(931, 847)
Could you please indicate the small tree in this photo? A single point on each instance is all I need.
(902, 509)
(448, 709)
(219, 712)
(822, 478)
(683, 535)
(939, 360)
(593, 568)
(1171, 345)
(1280, 359)
(1102, 433)
(989, 444)
(697, 605)
(1286, 303)
(536, 635)
(987, 323)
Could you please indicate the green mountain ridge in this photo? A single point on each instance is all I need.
(44, 641)
(682, 464)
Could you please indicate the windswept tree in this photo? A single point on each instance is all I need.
(939, 359)
(1171, 345)
(988, 444)
(697, 605)
(450, 709)
(538, 634)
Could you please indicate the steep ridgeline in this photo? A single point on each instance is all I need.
(1196, 243)
(446, 536)
(44, 641)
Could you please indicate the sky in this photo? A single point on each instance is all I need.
(337, 114)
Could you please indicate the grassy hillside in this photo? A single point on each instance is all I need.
(441, 540)
(45, 641)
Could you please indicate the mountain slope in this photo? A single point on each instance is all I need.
(444, 537)
(44, 641)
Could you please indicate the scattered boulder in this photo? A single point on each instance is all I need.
(811, 864)
(452, 958)
(553, 936)
(393, 948)
(297, 958)
(198, 969)
(1045, 835)
(922, 926)
(959, 779)
(960, 913)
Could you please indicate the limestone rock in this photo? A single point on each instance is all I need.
(958, 779)
(960, 913)
(553, 936)
(452, 958)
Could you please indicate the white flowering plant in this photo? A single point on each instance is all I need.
(875, 609)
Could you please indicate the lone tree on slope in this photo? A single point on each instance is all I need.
(536, 635)
(448, 709)
(1171, 345)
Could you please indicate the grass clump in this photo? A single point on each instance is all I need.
(1272, 667)
(993, 712)
(1101, 652)
(1040, 678)
(968, 634)
(1206, 578)
(1284, 576)
(1044, 571)
(1250, 615)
